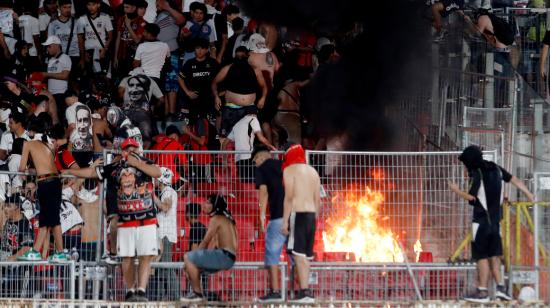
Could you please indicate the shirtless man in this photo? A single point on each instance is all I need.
(266, 61)
(49, 195)
(288, 110)
(242, 82)
(302, 200)
(221, 228)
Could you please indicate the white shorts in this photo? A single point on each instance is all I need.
(137, 241)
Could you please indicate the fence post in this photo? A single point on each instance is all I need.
(536, 235)
(490, 80)
(72, 276)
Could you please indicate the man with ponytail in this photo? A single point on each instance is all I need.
(221, 227)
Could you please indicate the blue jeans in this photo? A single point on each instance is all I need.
(274, 242)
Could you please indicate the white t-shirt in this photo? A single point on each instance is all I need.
(6, 142)
(152, 56)
(29, 27)
(6, 21)
(167, 220)
(102, 24)
(43, 21)
(81, 136)
(63, 31)
(58, 65)
(239, 134)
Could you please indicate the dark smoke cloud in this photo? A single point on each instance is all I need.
(388, 60)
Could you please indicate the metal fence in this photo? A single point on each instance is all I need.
(37, 280)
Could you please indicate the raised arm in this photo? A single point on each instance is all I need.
(519, 184)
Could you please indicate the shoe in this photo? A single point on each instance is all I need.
(30, 255)
(110, 259)
(129, 296)
(271, 297)
(304, 297)
(479, 296)
(140, 296)
(58, 257)
(192, 297)
(502, 293)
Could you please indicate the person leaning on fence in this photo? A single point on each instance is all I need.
(40, 151)
(485, 195)
(221, 227)
(441, 9)
(167, 203)
(269, 182)
(137, 226)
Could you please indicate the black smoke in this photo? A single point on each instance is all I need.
(386, 61)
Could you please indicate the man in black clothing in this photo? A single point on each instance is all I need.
(485, 195)
(196, 77)
(269, 182)
(197, 230)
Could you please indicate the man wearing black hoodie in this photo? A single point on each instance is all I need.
(485, 194)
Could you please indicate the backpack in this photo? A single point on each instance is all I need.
(503, 30)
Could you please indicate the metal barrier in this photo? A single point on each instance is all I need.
(37, 280)
(81, 212)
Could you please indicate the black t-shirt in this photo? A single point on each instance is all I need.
(198, 75)
(196, 234)
(489, 195)
(15, 235)
(270, 173)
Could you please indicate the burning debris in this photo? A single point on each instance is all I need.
(355, 228)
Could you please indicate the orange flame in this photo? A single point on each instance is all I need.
(354, 228)
(417, 249)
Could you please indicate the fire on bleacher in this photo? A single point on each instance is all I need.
(355, 228)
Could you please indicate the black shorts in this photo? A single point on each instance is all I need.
(49, 197)
(230, 117)
(111, 198)
(301, 234)
(486, 242)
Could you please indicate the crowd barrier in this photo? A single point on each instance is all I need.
(392, 206)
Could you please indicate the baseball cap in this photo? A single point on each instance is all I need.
(54, 39)
(22, 43)
(129, 142)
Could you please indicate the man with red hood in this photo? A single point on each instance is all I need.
(301, 204)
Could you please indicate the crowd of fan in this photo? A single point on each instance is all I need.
(86, 76)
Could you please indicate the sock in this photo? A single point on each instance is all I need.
(481, 289)
(131, 290)
(141, 289)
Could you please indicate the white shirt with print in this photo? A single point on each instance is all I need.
(63, 31)
(58, 65)
(102, 24)
(239, 134)
(167, 220)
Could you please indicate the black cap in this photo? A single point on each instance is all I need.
(202, 43)
(130, 2)
(63, 2)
